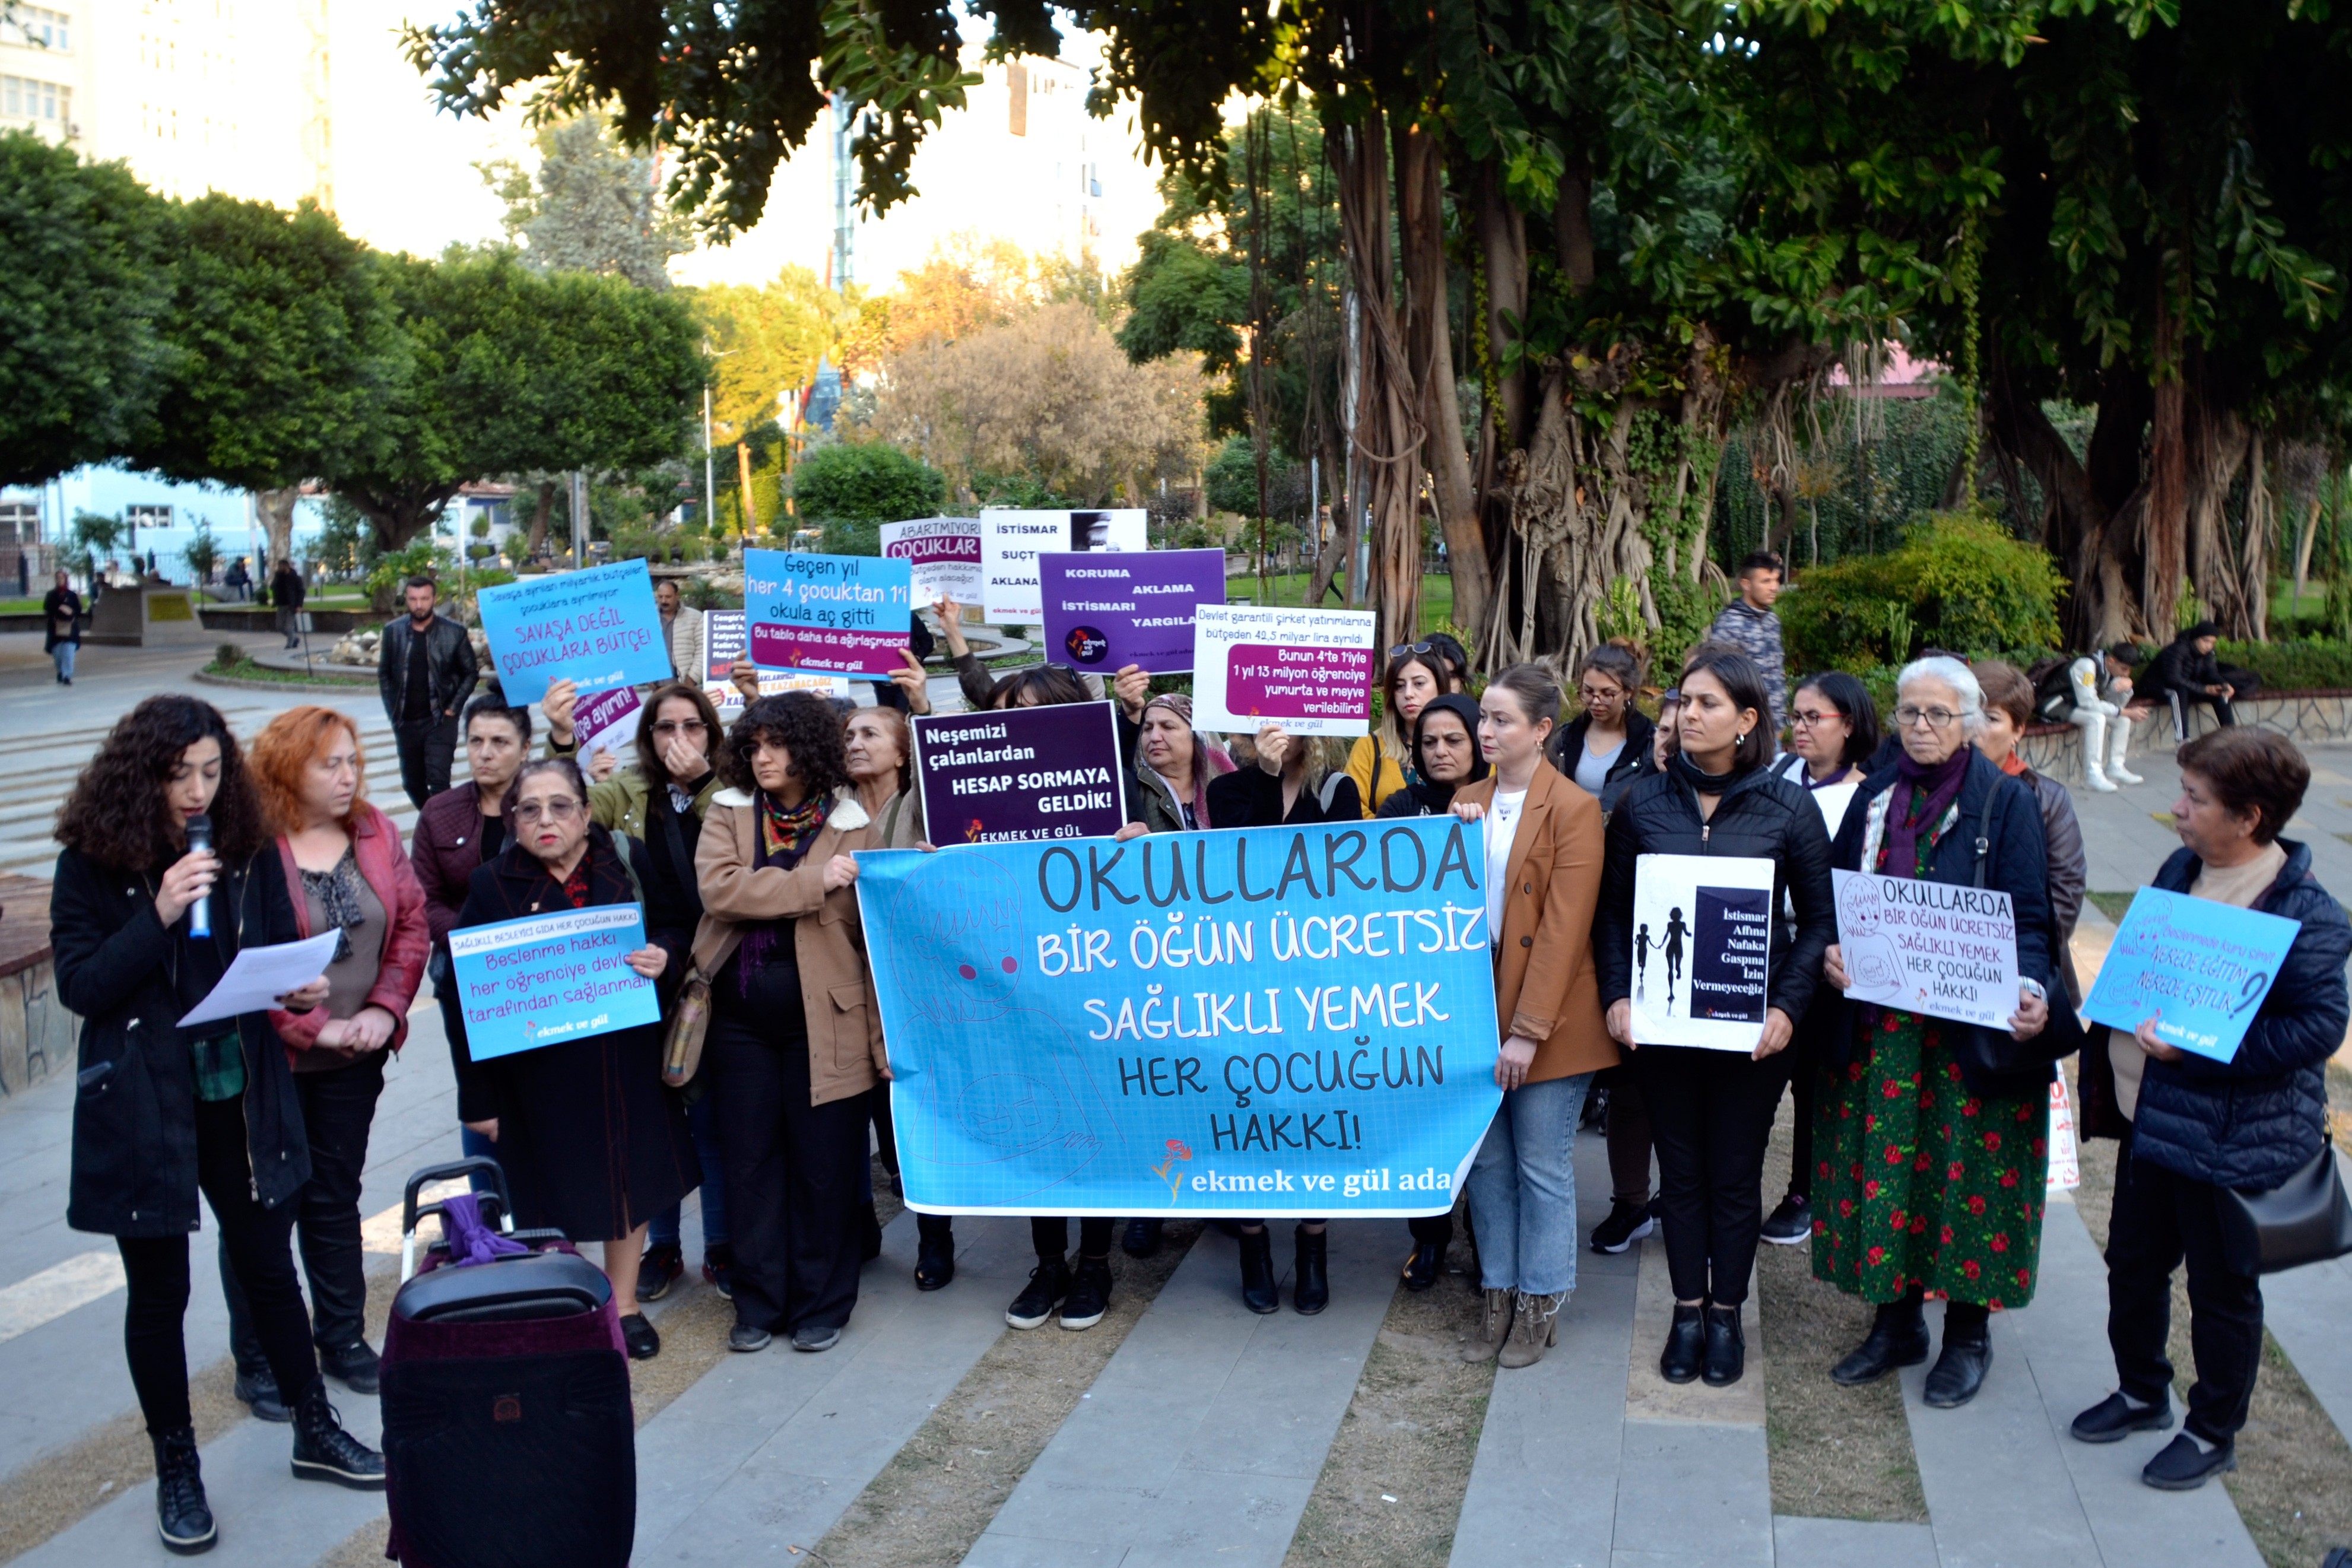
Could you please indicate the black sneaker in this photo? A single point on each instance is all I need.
(747, 1338)
(1790, 1225)
(355, 1366)
(2186, 1464)
(1048, 1283)
(1142, 1238)
(323, 1451)
(662, 1266)
(182, 1517)
(816, 1337)
(2118, 1416)
(1089, 1294)
(1626, 1224)
(640, 1338)
(719, 1268)
(258, 1392)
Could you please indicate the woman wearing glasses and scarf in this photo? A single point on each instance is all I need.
(591, 1142)
(1933, 1134)
(1419, 672)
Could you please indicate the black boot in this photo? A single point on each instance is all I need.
(934, 1251)
(183, 1518)
(1142, 1238)
(1967, 1356)
(1310, 1285)
(1727, 1348)
(1421, 1269)
(1685, 1346)
(323, 1451)
(258, 1391)
(1896, 1338)
(1257, 1273)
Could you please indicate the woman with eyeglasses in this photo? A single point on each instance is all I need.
(1418, 673)
(1932, 1134)
(1445, 752)
(1607, 745)
(591, 1142)
(1833, 728)
(1711, 1110)
(660, 800)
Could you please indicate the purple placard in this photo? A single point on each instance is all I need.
(1020, 774)
(843, 652)
(1105, 611)
(1298, 682)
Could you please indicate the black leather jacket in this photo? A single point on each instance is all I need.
(449, 666)
(1760, 815)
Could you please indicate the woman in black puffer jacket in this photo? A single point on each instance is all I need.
(1711, 1110)
(2191, 1125)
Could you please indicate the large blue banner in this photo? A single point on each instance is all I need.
(1274, 1022)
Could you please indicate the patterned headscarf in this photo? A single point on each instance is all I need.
(1209, 759)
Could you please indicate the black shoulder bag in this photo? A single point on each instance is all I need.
(2307, 1219)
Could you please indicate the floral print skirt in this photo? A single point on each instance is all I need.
(1918, 1183)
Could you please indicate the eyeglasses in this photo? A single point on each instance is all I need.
(563, 809)
(679, 727)
(1806, 718)
(1592, 694)
(1909, 715)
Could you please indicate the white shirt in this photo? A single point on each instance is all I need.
(1833, 799)
(1502, 827)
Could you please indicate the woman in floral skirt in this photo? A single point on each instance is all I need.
(1931, 1137)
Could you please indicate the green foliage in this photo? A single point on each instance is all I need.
(2303, 664)
(97, 534)
(1959, 581)
(201, 555)
(594, 206)
(82, 292)
(866, 483)
(1019, 491)
(383, 579)
(345, 542)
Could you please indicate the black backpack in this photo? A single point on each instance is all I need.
(2053, 689)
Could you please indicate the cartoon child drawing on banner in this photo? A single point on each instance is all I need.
(1872, 962)
(1641, 962)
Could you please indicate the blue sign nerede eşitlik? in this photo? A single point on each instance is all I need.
(597, 629)
(1276, 1022)
(2200, 969)
(545, 979)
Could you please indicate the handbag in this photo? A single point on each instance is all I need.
(690, 1020)
(2307, 1219)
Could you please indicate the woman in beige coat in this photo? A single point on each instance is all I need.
(795, 1038)
(1543, 854)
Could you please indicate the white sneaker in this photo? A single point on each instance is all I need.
(2092, 779)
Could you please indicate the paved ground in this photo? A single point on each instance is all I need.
(1201, 1439)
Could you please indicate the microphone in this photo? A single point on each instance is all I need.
(200, 913)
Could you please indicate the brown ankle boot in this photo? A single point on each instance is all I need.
(1535, 1329)
(1493, 1327)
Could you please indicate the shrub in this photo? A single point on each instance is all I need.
(384, 577)
(866, 483)
(1959, 581)
(2302, 664)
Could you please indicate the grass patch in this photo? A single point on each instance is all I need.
(2113, 905)
(2293, 1485)
(245, 670)
(1836, 1453)
(1391, 1491)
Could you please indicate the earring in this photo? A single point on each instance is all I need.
(1740, 739)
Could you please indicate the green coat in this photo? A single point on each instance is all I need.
(618, 804)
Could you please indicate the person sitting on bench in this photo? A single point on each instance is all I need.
(2186, 672)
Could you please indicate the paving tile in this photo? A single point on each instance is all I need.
(1850, 1543)
(1648, 1395)
(2307, 1309)
(1694, 1491)
(994, 1550)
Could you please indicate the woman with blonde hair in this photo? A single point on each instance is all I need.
(345, 872)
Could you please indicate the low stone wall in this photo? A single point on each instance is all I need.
(36, 1033)
(2307, 717)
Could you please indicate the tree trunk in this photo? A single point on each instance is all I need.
(277, 519)
(2095, 502)
(2165, 526)
(2254, 558)
(1387, 429)
(1503, 246)
(1421, 226)
(538, 519)
(2214, 449)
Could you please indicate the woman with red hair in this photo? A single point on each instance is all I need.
(345, 872)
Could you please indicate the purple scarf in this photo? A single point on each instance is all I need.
(1942, 783)
(472, 1241)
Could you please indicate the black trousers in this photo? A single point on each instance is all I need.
(793, 1177)
(1629, 1139)
(425, 750)
(1802, 1077)
(257, 1242)
(1711, 1115)
(2159, 1219)
(338, 1108)
(1050, 1235)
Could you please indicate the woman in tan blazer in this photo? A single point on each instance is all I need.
(795, 1036)
(1543, 839)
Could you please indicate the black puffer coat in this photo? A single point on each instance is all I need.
(1760, 815)
(135, 1129)
(2017, 862)
(2257, 1118)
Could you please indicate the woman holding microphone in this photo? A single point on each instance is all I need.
(157, 891)
(1543, 846)
(1711, 1110)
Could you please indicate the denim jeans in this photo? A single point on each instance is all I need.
(63, 657)
(1523, 1188)
(664, 1229)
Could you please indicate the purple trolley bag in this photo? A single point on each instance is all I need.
(509, 1438)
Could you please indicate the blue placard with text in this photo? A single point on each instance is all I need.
(545, 979)
(597, 629)
(2200, 969)
(1273, 1022)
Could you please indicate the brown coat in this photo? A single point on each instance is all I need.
(844, 1023)
(1545, 988)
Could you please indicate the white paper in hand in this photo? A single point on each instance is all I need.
(262, 974)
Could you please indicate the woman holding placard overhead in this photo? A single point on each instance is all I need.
(1542, 874)
(162, 883)
(2193, 1126)
(1934, 1133)
(591, 1142)
(1710, 1105)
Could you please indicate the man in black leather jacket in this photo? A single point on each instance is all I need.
(426, 669)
